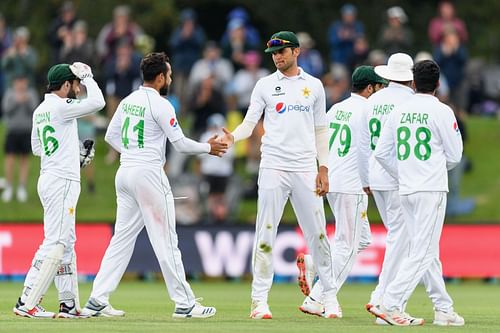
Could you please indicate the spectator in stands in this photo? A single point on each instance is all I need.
(451, 56)
(77, 46)
(207, 100)
(236, 43)
(122, 76)
(121, 29)
(5, 42)
(337, 85)
(376, 57)
(245, 79)
(186, 44)
(360, 54)
(216, 172)
(395, 36)
(212, 64)
(60, 28)
(20, 58)
(19, 102)
(446, 21)
(309, 59)
(342, 34)
(252, 35)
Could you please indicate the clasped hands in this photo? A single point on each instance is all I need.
(220, 144)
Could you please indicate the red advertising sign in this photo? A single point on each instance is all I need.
(466, 250)
(19, 242)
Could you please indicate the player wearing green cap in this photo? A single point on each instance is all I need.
(294, 143)
(346, 197)
(54, 138)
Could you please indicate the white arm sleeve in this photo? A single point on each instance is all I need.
(385, 152)
(81, 107)
(322, 145)
(36, 147)
(188, 146)
(244, 130)
(364, 150)
(452, 139)
(113, 133)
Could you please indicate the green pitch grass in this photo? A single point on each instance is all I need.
(148, 309)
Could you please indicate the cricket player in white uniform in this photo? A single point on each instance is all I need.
(55, 139)
(296, 134)
(139, 129)
(418, 144)
(385, 187)
(346, 197)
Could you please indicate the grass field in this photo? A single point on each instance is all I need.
(148, 309)
(482, 184)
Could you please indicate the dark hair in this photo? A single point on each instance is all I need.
(55, 87)
(426, 76)
(357, 88)
(153, 64)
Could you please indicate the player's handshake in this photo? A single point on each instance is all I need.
(217, 147)
(81, 70)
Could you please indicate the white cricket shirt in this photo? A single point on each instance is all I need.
(292, 107)
(140, 127)
(423, 134)
(380, 105)
(54, 135)
(345, 120)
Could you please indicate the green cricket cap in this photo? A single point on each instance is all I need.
(280, 40)
(365, 75)
(59, 73)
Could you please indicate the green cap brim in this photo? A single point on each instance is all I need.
(276, 48)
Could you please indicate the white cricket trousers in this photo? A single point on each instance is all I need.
(423, 213)
(350, 216)
(144, 198)
(275, 188)
(59, 197)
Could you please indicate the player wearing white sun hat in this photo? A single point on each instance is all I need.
(385, 186)
(346, 197)
(418, 144)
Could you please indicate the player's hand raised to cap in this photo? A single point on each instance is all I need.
(81, 70)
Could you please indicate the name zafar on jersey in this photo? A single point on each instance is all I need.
(414, 118)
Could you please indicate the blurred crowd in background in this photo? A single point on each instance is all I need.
(212, 84)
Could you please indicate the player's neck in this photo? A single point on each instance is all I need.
(151, 85)
(291, 71)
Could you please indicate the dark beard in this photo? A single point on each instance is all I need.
(164, 90)
(71, 93)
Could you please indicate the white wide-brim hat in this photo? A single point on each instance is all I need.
(399, 68)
